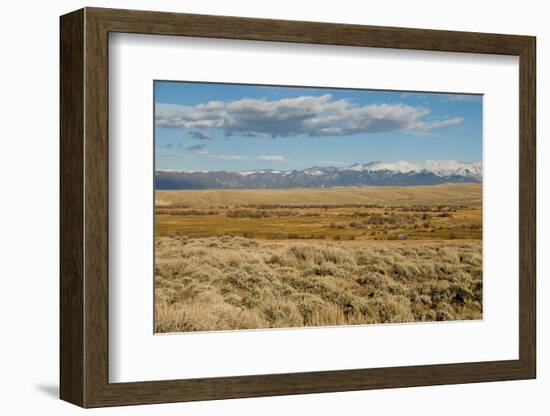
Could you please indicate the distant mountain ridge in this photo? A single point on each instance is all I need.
(402, 173)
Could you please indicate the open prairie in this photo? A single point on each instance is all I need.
(243, 259)
(423, 212)
(447, 194)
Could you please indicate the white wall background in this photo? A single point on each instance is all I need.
(29, 208)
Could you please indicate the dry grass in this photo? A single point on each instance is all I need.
(228, 283)
(244, 259)
(323, 222)
(449, 194)
(382, 213)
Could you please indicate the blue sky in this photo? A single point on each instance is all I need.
(207, 126)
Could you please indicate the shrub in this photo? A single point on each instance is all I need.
(227, 283)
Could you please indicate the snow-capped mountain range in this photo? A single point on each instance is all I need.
(437, 167)
(400, 173)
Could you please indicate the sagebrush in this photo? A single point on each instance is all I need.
(229, 283)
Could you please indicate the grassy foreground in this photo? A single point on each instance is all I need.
(224, 283)
(229, 260)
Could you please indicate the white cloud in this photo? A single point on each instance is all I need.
(229, 157)
(429, 125)
(201, 150)
(272, 158)
(306, 115)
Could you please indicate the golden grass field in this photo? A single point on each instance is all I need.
(244, 259)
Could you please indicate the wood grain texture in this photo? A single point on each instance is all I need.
(84, 207)
(527, 208)
(71, 213)
(96, 209)
(226, 27)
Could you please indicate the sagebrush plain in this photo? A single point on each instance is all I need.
(249, 259)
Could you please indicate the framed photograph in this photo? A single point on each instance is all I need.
(255, 207)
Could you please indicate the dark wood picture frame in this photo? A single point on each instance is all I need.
(84, 207)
